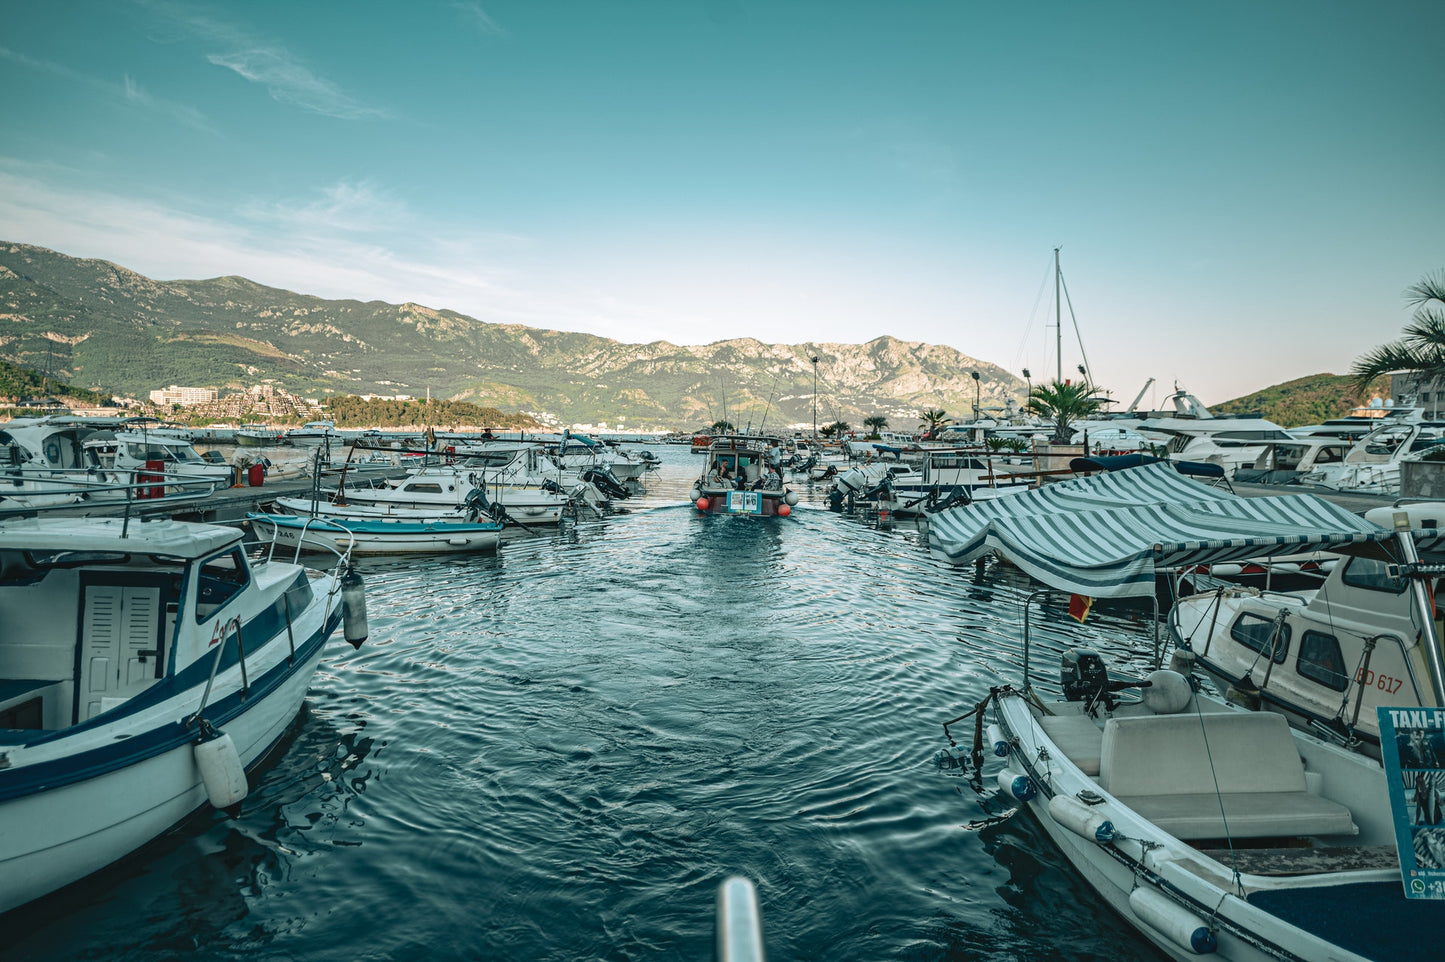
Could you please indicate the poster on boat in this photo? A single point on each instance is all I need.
(1412, 743)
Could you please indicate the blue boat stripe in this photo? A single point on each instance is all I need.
(29, 779)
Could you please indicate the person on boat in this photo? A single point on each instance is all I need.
(775, 458)
(724, 476)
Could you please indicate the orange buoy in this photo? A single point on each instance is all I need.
(784, 510)
(702, 504)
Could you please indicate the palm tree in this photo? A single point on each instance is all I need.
(1421, 351)
(876, 424)
(839, 428)
(721, 427)
(1063, 403)
(935, 419)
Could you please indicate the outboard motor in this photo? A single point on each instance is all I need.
(1083, 675)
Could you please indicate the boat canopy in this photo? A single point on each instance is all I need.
(1109, 535)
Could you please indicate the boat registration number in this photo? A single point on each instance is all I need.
(745, 502)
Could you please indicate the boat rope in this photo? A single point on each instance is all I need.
(1214, 774)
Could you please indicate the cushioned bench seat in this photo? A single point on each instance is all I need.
(1079, 737)
(1246, 815)
(1166, 769)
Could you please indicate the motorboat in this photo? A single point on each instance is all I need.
(174, 459)
(1287, 462)
(315, 432)
(144, 668)
(445, 488)
(260, 436)
(1327, 656)
(737, 478)
(380, 535)
(1209, 828)
(1372, 465)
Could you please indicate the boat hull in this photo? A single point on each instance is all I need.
(378, 536)
(52, 837)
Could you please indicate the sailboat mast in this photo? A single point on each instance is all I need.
(1058, 323)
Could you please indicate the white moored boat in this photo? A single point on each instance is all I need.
(1209, 828)
(144, 666)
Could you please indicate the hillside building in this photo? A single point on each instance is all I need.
(184, 396)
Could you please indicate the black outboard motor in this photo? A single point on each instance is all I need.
(1083, 675)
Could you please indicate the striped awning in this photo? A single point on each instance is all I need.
(1108, 535)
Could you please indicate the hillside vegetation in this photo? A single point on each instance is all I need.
(1307, 400)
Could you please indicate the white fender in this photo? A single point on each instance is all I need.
(1081, 819)
(1015, 786)
(1179, 924)
(996, 739)
(221, 771)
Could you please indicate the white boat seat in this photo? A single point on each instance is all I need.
(1165, 769)
(1079, 737)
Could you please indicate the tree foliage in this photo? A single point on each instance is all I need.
(1063, 402)
(934, 420)
(875, 424)
(1421, 351)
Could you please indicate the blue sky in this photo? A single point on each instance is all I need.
(1241, 190)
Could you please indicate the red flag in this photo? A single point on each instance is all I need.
(1079, 606)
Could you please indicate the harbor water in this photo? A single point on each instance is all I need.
(558, 752)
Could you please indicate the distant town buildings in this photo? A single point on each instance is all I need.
(184, 396)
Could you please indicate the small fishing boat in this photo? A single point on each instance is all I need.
(144, 668)
(378, 535)
(1208, 827)
(737, 479)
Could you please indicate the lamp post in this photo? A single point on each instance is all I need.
(1029, 381)
(975, 395)
(815, 398)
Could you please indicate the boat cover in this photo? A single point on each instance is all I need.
(1108, 535)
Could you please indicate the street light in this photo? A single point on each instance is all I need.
(815, 399)
(1029, 381)
(975, 395)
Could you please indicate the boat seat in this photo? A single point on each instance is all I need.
(1245, 780)
(1079, 737)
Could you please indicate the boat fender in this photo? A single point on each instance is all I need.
(1015, 786)
(1179, 924)
(221, 770)
(694, 494)
(703, 504)
(1168, 692)
(996, 739)
(1182, 661)
(1081, 819)
(353, 608)
(791, 497)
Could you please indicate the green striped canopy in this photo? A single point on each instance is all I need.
(1109, 535)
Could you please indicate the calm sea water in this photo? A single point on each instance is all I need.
(558, 752)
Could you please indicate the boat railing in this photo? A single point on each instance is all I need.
(133, 494)
(1063, 599)
(343, 556)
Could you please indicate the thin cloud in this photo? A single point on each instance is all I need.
(286, 78)
(291, 82)
(128, 90)
(473, 15)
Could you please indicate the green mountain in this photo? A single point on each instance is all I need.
(1307, 400)
(100, 326)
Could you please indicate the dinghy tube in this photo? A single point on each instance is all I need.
(1182, 926)
(221, 770)
(1081, 819)
(996, 739)
(1015, 786)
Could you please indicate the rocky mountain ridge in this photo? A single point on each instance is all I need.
(97, 325)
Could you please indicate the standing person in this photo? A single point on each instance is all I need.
(775, 461)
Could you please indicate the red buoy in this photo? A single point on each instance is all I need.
(784, 510)
(702, 504)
